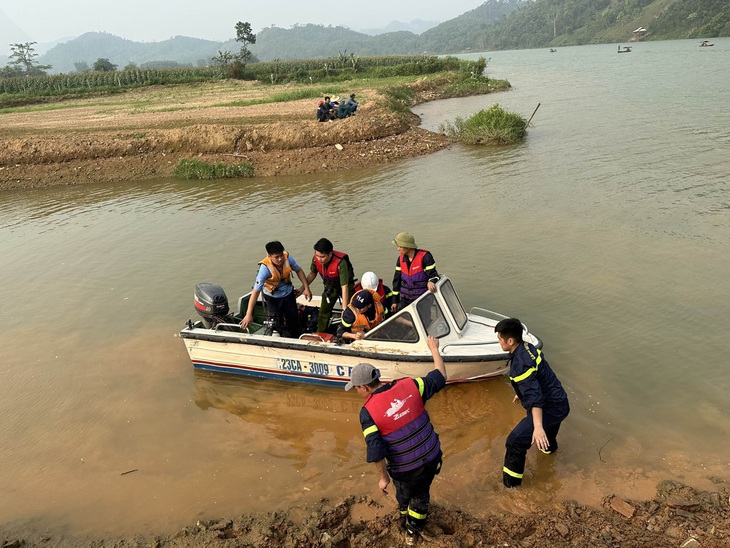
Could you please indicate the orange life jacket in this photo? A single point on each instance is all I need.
(361, 322)
(277, 276)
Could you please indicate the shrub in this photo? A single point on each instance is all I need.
(493, 126)
(195, 169)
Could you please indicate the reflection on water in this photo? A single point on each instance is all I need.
(290, 412)
(605, 231)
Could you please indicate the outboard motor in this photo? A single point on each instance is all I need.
(212, 304)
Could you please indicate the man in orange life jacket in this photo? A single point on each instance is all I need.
(274, 279)
(540, 393)
(415, 271)
(369, 280)
(399, 435)
(362, 314)
(337, 275)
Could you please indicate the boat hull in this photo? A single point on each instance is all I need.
(313, 365)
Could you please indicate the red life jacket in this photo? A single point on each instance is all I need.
(380, 290)
(330, 272)
(404, 425)
(396, 407)
(414, 279)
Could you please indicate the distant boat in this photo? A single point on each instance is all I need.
(625, 49)
(705, 44)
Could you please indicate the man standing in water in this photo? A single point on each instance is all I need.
(399, 435)
(541, 394)
(415, 271)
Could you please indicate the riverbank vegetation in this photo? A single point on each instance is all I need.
(492, 126)
(17, 91)
(195, 169)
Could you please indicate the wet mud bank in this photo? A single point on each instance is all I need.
(678, 515)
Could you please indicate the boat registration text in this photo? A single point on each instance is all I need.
(313, 368)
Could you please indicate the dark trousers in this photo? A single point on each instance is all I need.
(520, 440)
(412, 491)
(329, 300)
(284, 312)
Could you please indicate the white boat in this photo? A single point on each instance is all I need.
(397, 347)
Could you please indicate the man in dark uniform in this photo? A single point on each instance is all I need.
(399, 435)
(541, 394)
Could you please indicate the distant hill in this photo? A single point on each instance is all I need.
(470, 30)
(10, 32)
(91, 46)
(496, 24)
(417, 26)
(312, 41)
(545, 23)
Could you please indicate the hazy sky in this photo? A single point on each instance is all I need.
(155, 20)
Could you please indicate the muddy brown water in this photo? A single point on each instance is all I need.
(606, 232)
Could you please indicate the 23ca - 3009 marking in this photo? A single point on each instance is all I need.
(313, 368)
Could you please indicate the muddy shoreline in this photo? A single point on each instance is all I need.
(677, 516)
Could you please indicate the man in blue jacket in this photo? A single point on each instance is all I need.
(399, 435)
(540, 393)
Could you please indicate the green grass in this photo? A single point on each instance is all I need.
(195, 169)
(492, 126)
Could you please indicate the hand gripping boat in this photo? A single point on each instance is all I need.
(397, 346)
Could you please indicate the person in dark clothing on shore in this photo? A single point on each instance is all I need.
(539, 391)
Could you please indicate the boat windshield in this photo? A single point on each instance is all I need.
(400, 329)
(454, 304)
(432, 316)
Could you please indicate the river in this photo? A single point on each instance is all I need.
(606, 232)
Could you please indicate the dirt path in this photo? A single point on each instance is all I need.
(142, 134)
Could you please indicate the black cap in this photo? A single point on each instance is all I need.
(362, 299)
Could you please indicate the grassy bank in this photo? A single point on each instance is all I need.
(144, 132)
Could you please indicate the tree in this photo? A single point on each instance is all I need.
(22, 60)
(81, 66)
(246, 37)
(235, 63)
(102, 64)
(223, 58)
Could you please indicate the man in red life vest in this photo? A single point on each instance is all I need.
(338, 278)
(274, 279)
(362, 314)
(399, 435)
(415, 271)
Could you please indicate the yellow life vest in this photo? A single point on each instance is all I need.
(277, 276)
